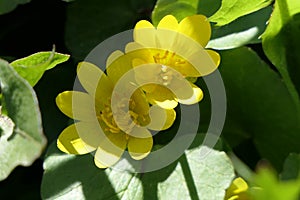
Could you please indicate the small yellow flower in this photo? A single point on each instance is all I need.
(97, 128)
(177, 46)
(237, 190)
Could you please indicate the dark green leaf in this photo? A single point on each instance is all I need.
(77, 177)
(259, 106)
(33, 67)
(98, 21)
(233, 9)
(27, 141)
(291, 167)
(281, 43)
(8, 5)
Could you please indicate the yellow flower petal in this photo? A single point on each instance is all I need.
(110, 150)
(152, 71)
(119, 67)
(113, 56)
(166, 32)
(89, 76)
(143, 24)
(145, 34)
(132, 46)
(162, 97)
(161, 119)
(76, 105)
(90, 132)
(70, 142)
(168, 22)
(180, 87)
(196, 27)
(215, 56)
(95, 82)
(140, 147)
(237, 190)
(139, 104)
(204, 61)
(197, 96)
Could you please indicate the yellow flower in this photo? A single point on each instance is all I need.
(98, 128)
(177, 46)
(237, 190)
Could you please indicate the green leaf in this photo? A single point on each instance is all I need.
(27, 140)
(281, 42)
(33, 67)
(8, 5)
(272, 188)
(259, 106)
(98, 21)
(291, 167)
(233, 9)
(244, 30)
(77, 177)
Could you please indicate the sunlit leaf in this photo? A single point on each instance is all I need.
(78, 177)
(281, 43)
(233, 9)
(32, 68)
(27, 141)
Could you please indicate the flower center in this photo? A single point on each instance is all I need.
(167, 74)
(125, 119)
(169, 59)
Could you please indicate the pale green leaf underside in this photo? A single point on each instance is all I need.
(27, 141)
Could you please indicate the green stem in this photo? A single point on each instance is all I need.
(189, 178)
